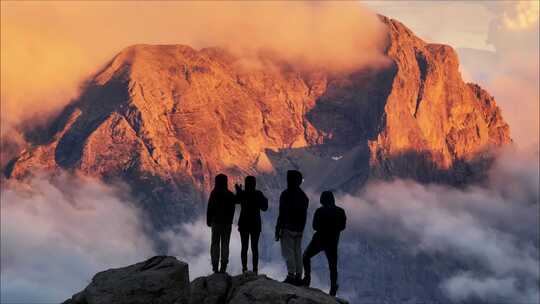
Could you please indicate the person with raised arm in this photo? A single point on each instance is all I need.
(252, 202)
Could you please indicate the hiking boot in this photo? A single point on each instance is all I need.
(244, 270)
(223, 268)
(333, 290)
(297, 280)
(306, 281)
(289, 279)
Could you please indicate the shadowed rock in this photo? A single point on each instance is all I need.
(159, 280)
(165, 280)
(251, 288)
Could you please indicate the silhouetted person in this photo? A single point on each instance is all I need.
(219, 216)
(293, 205)
(249, 224)
(328, 222)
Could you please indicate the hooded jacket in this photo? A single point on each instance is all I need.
(293, 204)
(329, 220)
(253, 202)
(221, 203)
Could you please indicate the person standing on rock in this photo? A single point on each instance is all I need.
(219, 216)
(328, 222)
(252, 202)
(293, 205)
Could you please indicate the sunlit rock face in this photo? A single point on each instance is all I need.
(436, 127)
(166, 118)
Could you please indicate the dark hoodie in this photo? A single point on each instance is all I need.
(221, 203)
(293, 204)
(329, 220)
(253, 202)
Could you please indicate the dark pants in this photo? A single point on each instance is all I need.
(221, 235)
(328, 244)
(244, 237)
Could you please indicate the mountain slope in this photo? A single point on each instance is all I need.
(166, 118)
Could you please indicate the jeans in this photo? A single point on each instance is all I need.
(291, 249)
(244, 237)
(221, 236)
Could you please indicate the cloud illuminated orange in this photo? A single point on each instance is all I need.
(49, 48)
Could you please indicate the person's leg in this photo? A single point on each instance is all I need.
(298, 256)
(312, 249)
(255, 250)
(287, 250)
(214, 248)
(225, 239)
(331, 250)
(244, 238)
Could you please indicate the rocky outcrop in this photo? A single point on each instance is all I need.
(159, 280)
(166, 118)
(165, 280)
(251, 288)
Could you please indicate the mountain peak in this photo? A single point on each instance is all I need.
(167, 118)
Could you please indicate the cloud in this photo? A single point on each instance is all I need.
(466, 285)
(517, 15)
(493, 228)
(50, 48)
(57, 233)
(510, 72)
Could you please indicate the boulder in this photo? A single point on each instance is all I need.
(165, 280)
(250, 289)
(158, 280)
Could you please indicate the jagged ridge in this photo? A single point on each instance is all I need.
(166, 118)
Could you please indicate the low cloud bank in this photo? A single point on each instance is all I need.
(58, 232)
(494, 229)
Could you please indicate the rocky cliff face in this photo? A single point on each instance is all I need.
(166, 118)
(436, 126)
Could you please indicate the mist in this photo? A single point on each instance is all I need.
(510, 71)
(57, 232)
(50, 48)
(494, 228)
